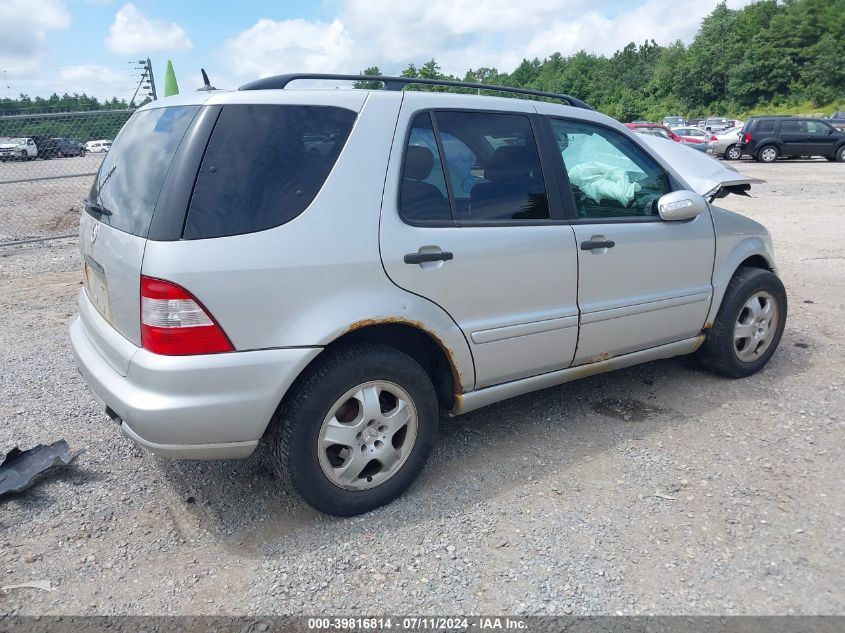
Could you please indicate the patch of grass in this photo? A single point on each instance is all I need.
(806, 108)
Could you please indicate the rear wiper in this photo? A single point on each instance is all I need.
(96, 207)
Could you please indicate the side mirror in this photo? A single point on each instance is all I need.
(680, 205)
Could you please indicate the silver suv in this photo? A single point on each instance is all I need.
(333, 269)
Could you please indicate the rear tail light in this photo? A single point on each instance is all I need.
(713, 139)
(747, 137)
(175, 323)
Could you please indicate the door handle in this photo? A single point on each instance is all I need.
(589, 245)
(419, 258)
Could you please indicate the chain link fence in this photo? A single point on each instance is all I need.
(47, 165)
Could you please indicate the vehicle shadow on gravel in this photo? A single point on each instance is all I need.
(480, 455)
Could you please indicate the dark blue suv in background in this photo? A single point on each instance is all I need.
(768, 138)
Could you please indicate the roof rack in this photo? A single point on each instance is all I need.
(278, 82)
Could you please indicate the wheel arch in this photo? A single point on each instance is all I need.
(748, 252)
(415, 340)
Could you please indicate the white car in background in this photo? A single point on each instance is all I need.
(22, 148)
(727, 144)
(98, 147)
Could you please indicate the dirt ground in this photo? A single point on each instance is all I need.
(657, 489)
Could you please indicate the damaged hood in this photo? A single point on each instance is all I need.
(705, 175)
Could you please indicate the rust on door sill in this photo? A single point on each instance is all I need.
(598, 358)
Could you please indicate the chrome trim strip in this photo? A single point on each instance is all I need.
(524, 329)
(640, 308)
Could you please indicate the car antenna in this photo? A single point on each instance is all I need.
(206, 83)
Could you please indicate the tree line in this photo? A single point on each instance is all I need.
(24, 104)
(767, 55)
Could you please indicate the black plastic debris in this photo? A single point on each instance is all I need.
(18, 469)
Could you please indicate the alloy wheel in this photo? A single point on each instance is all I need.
(769, 154)
(367, 435)
(755, 326)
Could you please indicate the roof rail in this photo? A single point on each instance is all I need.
(278, 82)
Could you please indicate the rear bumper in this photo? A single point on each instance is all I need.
(213, 406)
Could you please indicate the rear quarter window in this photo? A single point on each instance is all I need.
(765, 126)
(263, 166)
(131, 175)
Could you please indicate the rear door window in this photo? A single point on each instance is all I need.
(263, 166)
(792, 127)
(132, 173)
(493, 166)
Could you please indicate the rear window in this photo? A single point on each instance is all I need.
(263, 166)
(131, 175)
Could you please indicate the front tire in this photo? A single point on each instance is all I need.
(768, 154)
(356, 429)
(749, 325)
(840, 155)
(733, 153)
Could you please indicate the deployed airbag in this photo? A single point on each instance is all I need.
(600, 181)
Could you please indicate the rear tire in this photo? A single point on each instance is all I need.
(380, 406)
(768, 154)
(840, 155)
(749, 325)
(733, 153)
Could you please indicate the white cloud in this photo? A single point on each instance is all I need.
(270, 47)
(459, 34)
(103, 82)
(132, 32)
(25, 24)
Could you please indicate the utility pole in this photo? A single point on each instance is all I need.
(145, 82)
(152, 80)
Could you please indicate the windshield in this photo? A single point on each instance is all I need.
(132, 173)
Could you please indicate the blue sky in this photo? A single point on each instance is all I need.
(86, 45)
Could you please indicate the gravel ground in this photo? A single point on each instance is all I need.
(46, 207)
(657, 489)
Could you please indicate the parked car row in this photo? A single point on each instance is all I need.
(763, 138)
(695, 138)
(712, 124)
(32, 147)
